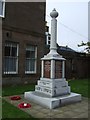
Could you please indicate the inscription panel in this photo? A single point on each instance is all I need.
(58, 69)
(47, 69)
(45, 83)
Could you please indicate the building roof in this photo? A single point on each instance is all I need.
(65, 48)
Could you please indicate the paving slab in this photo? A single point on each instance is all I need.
(76, 110)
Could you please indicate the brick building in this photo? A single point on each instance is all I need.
(23, 45)
(77, 64)
(23, 40)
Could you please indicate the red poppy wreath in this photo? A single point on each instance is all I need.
(15, 98)
(24, 105)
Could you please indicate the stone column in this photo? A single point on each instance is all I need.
(42, 69)
(63, 69)
(52, 69)
(53, 45)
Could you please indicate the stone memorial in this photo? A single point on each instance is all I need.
(52, 89)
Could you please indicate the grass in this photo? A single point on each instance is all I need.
(16, 90)
(10, 111)
(80, 86)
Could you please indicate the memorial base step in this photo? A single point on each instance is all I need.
(53, 102)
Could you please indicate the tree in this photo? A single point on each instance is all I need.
(87, 46)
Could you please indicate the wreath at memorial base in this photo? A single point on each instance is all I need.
(24, 105)
(15, 98)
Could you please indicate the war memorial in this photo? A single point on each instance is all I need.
(52, 90)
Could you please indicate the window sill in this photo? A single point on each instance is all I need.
(28, 72)
(7, 73)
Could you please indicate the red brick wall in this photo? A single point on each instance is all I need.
(58, 69)
(25, 24)
(26, 16)
(47, 69)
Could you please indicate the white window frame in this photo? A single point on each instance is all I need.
(47, 38)
(16, 72)
(3, 9)
(33, 72)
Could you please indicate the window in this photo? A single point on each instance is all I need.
(11, 58)
(2, 8)
(31, 59)
(48, 38)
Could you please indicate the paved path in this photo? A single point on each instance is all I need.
(76, 110)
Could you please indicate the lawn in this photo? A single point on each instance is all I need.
(16, 90)
(10, 111)
(80, 86)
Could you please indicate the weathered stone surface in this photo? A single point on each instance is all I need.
(52, 89)
(52, 102)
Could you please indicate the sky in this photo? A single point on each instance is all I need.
(72, 22)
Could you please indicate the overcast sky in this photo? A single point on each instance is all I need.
(72, 26)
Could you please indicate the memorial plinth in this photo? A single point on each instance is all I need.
(52, 89)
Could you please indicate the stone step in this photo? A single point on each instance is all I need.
(53, 84)
(52, 102)
(54, 91)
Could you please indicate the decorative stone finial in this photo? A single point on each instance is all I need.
(54, 13)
